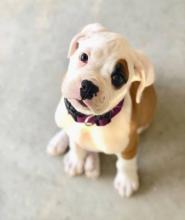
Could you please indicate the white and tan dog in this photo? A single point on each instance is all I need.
(108, 98)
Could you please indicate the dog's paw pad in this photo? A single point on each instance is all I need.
(72, 165)
(92, 166)
(126, 184)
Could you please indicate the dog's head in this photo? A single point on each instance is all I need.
(101, 69)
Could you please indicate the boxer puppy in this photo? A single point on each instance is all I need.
(107, 100)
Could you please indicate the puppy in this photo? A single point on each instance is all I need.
(108, 99)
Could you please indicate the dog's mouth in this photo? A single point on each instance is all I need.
(73, 106)
(82, 103)
(81, 106)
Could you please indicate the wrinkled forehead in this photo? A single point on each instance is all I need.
(105, 44)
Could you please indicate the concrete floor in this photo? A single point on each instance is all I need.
(34, 37)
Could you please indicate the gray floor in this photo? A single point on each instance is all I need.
(34, 37)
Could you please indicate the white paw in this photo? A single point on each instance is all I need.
(126, 183)
(73, 165)
(58, 144)
(92, 165)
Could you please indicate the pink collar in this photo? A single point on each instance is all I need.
(99, 120)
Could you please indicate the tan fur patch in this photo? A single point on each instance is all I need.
(142, 115)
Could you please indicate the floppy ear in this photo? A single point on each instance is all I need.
(144, 72)
(87, 30)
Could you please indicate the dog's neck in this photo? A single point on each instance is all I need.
(99, 120)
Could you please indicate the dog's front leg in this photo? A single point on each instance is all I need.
(74, 160)
(126, 180)
(78, 161)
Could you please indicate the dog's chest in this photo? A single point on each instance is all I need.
(99, 139)
(112, 138)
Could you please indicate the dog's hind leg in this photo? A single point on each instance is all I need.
(58, 144)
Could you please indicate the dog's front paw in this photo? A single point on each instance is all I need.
(126, 183)
(73, 165)
(92, 165)
(58, 144)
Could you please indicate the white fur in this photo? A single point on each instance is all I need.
(92, 165)
(78, 161)
(144, 72)
(89, 29)
(126, 180)
(104, 49)
(74, 160)
(99, 139)
(58, 144)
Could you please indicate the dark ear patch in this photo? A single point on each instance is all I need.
(120, 74)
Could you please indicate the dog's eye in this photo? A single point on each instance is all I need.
(118, 76)
(84, 57)
(117, 80)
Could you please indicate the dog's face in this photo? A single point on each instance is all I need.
(100, 71)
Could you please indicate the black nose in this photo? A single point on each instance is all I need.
(88, 89)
